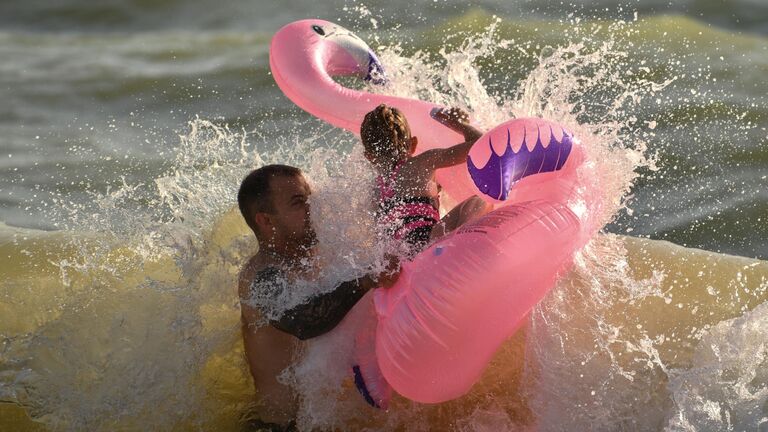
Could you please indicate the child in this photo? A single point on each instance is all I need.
(408, 194)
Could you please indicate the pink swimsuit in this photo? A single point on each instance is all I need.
(410, 218)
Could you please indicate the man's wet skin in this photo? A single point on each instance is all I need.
(293, 235)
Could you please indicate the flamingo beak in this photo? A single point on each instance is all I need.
(376, 73)
(360, 59)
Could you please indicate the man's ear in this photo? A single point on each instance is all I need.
(414, 143)
(263, 221)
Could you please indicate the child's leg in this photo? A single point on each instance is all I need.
(465, 211)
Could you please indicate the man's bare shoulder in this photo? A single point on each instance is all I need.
(247, 274)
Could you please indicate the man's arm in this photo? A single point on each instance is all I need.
(321, 313)
(325, 311)
(268, 352)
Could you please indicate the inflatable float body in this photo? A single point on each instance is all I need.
(430, 336)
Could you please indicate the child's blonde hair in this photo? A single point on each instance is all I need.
(385, 134)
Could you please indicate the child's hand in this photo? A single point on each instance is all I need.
(455, 118)
(458, 120)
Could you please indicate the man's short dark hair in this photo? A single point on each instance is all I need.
(255, 195)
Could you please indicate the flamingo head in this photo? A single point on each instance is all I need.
(332, 48)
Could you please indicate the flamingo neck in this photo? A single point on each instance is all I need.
(305, 73)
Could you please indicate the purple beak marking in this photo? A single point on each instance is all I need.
(501, 172)
(376, 73)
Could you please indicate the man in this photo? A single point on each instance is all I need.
(274, 203)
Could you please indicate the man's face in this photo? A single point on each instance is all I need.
(292, 226)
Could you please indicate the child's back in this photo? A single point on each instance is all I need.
(408, 194)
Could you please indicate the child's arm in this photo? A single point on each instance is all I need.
(457, 120)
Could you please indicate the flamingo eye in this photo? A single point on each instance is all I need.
(319, 30)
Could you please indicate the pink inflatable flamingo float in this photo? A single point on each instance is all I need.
(457, 301)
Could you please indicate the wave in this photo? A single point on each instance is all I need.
(132, 343)
(128, 317)
(133, 16)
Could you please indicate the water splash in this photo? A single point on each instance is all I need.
(732, 352)
(557, 88)
(143, 325)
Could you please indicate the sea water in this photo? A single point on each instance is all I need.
(126, 129)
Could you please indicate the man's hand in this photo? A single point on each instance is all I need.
(389, 276)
